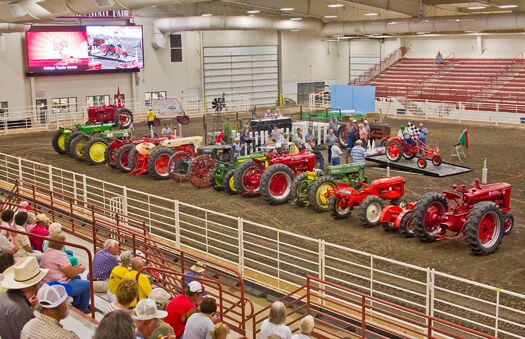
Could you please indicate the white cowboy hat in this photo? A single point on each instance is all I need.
(198, 267)
(25, 273)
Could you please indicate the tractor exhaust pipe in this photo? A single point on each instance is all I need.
(484, 172)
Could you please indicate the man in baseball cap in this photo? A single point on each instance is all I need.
(146, 316)
(52, 307)
(183, 306)
(21, 281)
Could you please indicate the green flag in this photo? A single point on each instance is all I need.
(463, 138)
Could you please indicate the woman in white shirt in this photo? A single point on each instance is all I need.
(274, 325)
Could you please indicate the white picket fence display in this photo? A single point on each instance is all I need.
(285, 258)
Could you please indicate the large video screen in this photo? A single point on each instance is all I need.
(84, 49)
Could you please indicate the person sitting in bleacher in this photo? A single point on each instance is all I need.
(117, 274)
(6, 260)
(127, 292)
(183, 306)
(196, 271)
(41, 228)
(147, 316)
(306, 328)
(220, 331)
(104, 262)
(22, 240)
(7, 241)
(200, 324)
(20, 280)
(137, 264)
(274, 325)
(161, 298)
(31, 221)
(56, 228)
(116, 322)
(53, 306)
(61, 270)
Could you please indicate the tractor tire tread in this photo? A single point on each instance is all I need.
(154, 153)
(472, 225)
(74, 144)
(418, 215)
(294, 197)
(54, 141)
(87, 147)
(363, 207)
(69, 138)
(265, 183)
(312, 194)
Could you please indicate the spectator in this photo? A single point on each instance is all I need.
(362, 134)
(7, 217)
(200, 324)
(166, 131)
(117, 274)
(146, 316)
(438, 60)
(52, 307)
(423, 131)
(306, 327)
(308, 146)
(358, 153)
(115, 322)
(277, 114)
(6, 260)
(334, 125)
(350, 133)
(336, 153)
(61, 270)
(7, 244)
(31, 221)
(220, 331)
(161, 298)
(137, 264)
(330, 139)
(104, 262)
(151, 118)
(54, 229)
(299, 135)
(42, 222)
(219, 137)
(183, 306)
(245, 133)
(268, 114)
(310, 136)
(127, 292)
(367, 127)
(196, 271)
(21, 282)
(274, 325)
(276, 133)
(319, 159)
(236, 147)
(24, 206)
(22, 240)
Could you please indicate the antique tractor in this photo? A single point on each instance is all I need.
(379, 131)
(481, 214)
(395, 149)
(370, 198)
(201, 168)
(273, 177)
(311, 188)
(155, 158)
(97, 147)
(394, 217)
(120, 117)
(222, 176)
(64, 136)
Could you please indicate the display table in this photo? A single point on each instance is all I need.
(260, 125)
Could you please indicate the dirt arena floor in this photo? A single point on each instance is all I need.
(500, 145)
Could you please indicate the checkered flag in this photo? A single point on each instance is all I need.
(413, 129)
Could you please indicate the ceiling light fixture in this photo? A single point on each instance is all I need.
(336, 5)
(207, 14)
(296, 19)
(287, 9)
(508, 6)
(477, 7)
(330, 16)
(296, 30)
(253, 11)
(251, 15)
(371, 14)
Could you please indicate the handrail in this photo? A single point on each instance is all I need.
(383, 64)
(453, 54)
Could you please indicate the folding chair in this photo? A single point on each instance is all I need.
(458, 152)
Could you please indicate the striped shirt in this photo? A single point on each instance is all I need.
(45, 327)
(358, 154)
(103, 264)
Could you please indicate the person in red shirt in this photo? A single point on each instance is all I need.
(183, 306)
(41, 228)
(219, 137)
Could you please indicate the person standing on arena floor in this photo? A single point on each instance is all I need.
(183, 306)
(117, 274)
(358, 153)
(137, 264)
(116, 322)
(150, 115)
(104, 262)
(330, 138)
(21, 282)
(200, 324)
(161, 298)
(52, 307)
(350, 134)
(166, 131)
(310, 136)
(41, 228)
(336, 153)
(147, 316)
(423, 131)
(274, 325)
(334, 125)
(127, 292)
(362, 134)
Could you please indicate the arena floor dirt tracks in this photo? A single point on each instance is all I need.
(500, 145)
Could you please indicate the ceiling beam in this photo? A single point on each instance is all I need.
(405, 7)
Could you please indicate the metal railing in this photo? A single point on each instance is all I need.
(380, 66)
(281, 259)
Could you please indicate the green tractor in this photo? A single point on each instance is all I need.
(222, 177)
(310, 188)
(64, 136)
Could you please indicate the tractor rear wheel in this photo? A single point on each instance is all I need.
(370, 210)
(407, 154)
(508, 223)
(427, 215)
(200, 169)
(95, 150)
(406, 227)
(215, 183)
(78, 146)
(69, 138)
(383, 142)
(58, 141)
(339, 208)
(484, 228)
(394, 150)
(124, 118)
(247, 178)
(111, 151)
(317, 196)
(228, 183)
(299, 194)
(179, 165)
(158, 160)
(122, 157)
(276, 184)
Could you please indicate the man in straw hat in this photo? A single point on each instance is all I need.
(52, 307)
(146, 316)
(21, 281)
(196, 271)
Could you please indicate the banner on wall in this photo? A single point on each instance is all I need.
(167, 107)
(113, 14)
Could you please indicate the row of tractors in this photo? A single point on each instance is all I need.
(480, 214)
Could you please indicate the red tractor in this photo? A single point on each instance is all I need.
(370, 198)
(118, 151)
(272, 178)
(121, 117)
(396, 148)
(394, 217)
(480, 214)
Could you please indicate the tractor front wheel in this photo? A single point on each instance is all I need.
(110, 153)
(421, 163)
(394, 150)
(299, 195)
(339, 208)
(69, 139)
(178, 166)
(508, 223)
(122, 157)
(428, 215)
(124, 118)
(318, 195)
(95, 150)
(228, 183)
(78, 146)
(58, 141)
(200, 169)
(158, 160)
(276, 184)
(247, 178)
(484, 228)
(436, 160)
(370, 210)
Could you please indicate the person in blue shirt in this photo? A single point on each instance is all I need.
(423, 131)
(358, 153)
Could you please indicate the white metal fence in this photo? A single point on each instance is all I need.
(281, 259)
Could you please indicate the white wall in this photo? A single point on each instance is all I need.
(14, 86)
